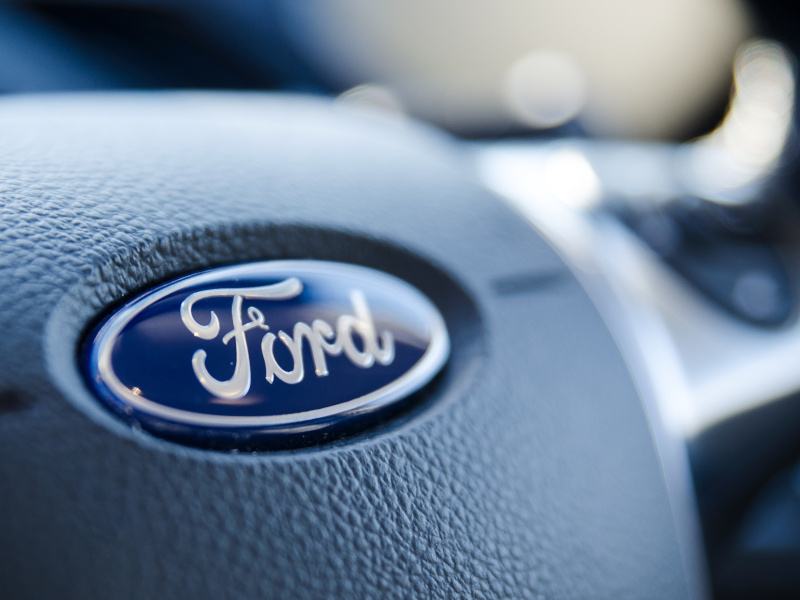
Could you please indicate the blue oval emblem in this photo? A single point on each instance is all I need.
(266, 349)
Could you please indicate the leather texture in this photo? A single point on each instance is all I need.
(527, 471)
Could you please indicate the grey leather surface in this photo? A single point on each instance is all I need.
(527, 472)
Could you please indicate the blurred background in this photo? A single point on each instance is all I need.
(652, 141)
(658, 69)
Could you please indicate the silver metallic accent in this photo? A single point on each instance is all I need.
(238, 385)
(423, 371)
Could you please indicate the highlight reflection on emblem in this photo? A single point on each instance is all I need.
(267, 348)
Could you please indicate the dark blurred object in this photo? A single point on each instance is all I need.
(733, 463)
(763, 557)
(742, 274)
(54, 46)
(778, 19)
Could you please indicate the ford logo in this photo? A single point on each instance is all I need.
(266, 350)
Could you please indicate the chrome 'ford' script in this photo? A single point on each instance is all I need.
(266, 349)
(320, 337)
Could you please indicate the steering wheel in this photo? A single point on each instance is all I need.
(529, 467)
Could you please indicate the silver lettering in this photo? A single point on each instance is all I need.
(323, 339)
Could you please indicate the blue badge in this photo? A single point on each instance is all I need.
(279, 350)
